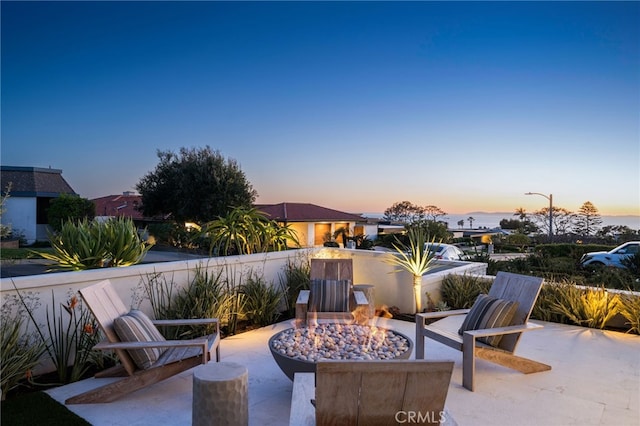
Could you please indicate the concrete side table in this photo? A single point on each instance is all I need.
(220, 394)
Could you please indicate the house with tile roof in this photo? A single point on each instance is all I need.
(314, 224)
(31, 190)
(126, 204)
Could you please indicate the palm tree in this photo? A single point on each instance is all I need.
(461, 223)
(521, 212)
(470, 219)
(246, 231)
(414, 258)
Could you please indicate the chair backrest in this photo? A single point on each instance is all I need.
(332, 269)
(521, 288)
(105, 305)
(380, 392)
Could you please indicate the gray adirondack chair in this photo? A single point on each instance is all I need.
(507, 286)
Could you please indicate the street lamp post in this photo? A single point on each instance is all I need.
(550, 198)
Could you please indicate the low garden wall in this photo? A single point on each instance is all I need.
(370, 267)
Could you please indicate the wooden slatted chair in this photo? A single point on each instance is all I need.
(331, 280)
(146, 358)
(490, 330)
(372, 393)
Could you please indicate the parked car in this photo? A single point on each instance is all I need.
(446, 251)
(611, 258)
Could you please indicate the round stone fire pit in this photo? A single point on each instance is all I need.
(296, 350)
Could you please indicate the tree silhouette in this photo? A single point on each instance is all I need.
(195, 185)
(587, 220)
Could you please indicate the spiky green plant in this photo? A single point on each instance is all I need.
(21, 350)
(544, 309)
(262, 301)
(460, 291)
(68, 339)
(91, 244)
(630, 309)
(591, 308)
(414, 258)
(295, 277)
(203, 297)
(77, 246)
(125, 247)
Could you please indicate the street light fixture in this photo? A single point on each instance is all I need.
(550, 198)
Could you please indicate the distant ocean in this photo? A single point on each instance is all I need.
(492, 220)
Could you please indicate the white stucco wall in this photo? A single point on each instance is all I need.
(20, 213)
(391, 289)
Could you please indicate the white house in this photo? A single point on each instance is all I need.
(30, 191)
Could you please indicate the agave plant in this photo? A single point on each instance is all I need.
(125, 246)
(414, 258)
(91, 244)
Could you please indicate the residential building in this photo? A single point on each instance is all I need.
(126, 204)
(314, 224)
(31, 190)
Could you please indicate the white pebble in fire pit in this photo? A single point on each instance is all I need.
(340, 341)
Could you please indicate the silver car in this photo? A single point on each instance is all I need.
(611, 258)
(446, 251)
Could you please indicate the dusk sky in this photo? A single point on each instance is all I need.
(348, 105)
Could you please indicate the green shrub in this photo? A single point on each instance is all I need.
(574, 251)
(617, 278)
(262, 301)
(632, 263)
(460, 291)
(69, 208)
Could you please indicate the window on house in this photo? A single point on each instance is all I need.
(321, 230)
(42, 208)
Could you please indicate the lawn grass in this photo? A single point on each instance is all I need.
(21, 253)
(37, 408)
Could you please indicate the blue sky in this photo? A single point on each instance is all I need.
(350, 105)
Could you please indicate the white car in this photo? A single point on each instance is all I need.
(446, 251)
(611, 258)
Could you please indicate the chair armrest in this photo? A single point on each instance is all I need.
(442, 314)
(188, 321)
(303, 297)
(512, 329)
(141, 345)
(361, 298)
(303, 413)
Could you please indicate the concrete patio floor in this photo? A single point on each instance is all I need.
(595, 380)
